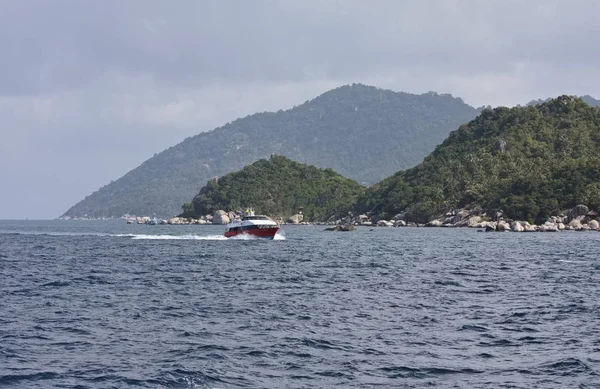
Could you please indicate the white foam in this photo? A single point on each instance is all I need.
(178, 237)
(65, 233)
(200, 237)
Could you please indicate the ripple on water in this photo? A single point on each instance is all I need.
(102, 305)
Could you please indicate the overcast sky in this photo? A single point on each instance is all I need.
(90, 89)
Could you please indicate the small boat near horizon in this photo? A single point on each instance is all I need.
(256, 225)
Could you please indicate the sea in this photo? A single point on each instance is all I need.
(104, 304)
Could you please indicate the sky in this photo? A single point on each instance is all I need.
(90, 89)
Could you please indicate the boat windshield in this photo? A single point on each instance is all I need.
(257, 217)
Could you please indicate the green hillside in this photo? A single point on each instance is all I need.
(362, 132)
(586, 99)
(277, 187)
(530, 162)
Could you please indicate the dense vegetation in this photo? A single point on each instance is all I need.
(530, 162)
(277, 187)
(362, 132)
(586, 99)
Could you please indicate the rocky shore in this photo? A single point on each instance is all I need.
(579, 218)
(219, 218)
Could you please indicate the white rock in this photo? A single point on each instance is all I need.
(296, 219)
(220, 217)
(474, 222)
(502, 226)
(516, 227)
(548, 227)
(434, 223)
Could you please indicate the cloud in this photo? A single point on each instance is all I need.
(90, 89)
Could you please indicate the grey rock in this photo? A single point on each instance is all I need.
(298, 218)
(578, 210)
(220, 217)
(516, 227)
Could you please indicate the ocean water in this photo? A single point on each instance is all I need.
(108, 305)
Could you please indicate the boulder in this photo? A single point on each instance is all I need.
(502, 226)
(575, 224)
(516, 227)
(297, 218)
(399, 216)
(463, 213)
(548, 227)
(362, 218)
(434, 223)
(593, 224)
(578, 210)
(474, 222)
(400, 223)
(560, 226)
(220, 217)
(460, 219)
(384, 223)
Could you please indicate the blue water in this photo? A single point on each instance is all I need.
(110, 305)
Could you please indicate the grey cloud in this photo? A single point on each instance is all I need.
(89, 89)
(64, 44)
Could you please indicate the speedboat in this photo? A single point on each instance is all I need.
(256, 225)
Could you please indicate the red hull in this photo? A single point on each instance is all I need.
(268, 233)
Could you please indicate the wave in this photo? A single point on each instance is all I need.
(11, 379)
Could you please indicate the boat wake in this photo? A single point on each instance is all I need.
(278, 236)
(177, 237)
(202, 237)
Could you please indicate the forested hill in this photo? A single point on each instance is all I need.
(278, 186)
(530, 162)
(586, 99)
(362, 132)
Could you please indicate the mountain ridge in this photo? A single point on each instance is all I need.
(362, 132)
